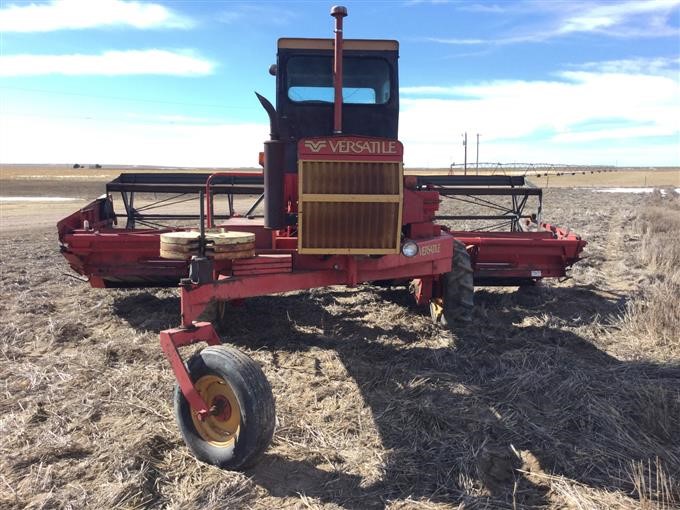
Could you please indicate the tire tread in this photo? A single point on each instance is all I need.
(255, 396)
(458, 288)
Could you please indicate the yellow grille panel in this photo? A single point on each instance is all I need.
(346, 177)
(349, 207)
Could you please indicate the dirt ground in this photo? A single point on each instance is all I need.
(554, 397)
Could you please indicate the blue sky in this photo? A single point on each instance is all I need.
(171, 83)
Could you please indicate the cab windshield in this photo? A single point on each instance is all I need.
(365, 80)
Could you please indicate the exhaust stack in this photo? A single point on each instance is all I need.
(338, 12)
(274, 153)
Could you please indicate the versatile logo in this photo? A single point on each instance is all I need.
(363, 146)
(315, 146)
(353, 146)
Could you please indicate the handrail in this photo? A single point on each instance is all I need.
(208, 195)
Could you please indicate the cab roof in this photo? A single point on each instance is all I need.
(348, 44)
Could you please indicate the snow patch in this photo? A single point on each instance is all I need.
(625, 190)
(663, 191)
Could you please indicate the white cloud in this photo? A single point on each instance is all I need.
(84, 14)
(252, 13)
(427, 90)
(458, 41)
(659, 65)
(108, 63)
(606, 16)
(597, 114)
(500, 41)
(484, 8)
(49, 140)
(560, 120)
(410, 3)
(632, 19)
(612, 133)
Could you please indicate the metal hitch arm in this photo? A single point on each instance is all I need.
(171, 340)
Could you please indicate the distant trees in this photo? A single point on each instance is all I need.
(78, 165)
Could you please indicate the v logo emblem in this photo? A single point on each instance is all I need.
(315, 146)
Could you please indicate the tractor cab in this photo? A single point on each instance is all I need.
(305, 88)
(333, 156)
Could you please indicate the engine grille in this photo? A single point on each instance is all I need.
(349, 207)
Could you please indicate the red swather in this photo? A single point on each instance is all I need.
(130, 257)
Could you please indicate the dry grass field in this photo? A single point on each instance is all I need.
(26, 175)
(565, 395)
(625, 178)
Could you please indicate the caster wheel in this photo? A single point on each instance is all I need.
(241, 423)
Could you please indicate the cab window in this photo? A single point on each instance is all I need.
(365, 80)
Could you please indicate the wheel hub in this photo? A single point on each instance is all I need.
(220, 408)
(221, 425)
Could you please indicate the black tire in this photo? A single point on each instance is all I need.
(250, 388)
(458, 290)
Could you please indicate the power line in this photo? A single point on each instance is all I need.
(123, 120)
(119, 98)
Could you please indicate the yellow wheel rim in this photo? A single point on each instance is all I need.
(221, 426)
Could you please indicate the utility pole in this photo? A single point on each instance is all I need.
(465, 150)
(477, 160)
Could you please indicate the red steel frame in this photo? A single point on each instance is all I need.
(102, 252)
(171, 340)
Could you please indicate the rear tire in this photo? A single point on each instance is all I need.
(457, 299)
(237, 436)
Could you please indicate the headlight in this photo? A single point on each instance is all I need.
(409, 249)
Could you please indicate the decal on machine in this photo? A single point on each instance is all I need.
(315, 145)
(430, 249)
(351, 146)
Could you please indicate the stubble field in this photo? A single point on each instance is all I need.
(560, 396)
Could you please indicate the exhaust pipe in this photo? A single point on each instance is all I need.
(274, 152)
(273, 118)
(338, 12)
